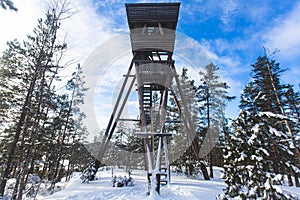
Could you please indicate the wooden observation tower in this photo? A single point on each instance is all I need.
(152, 33)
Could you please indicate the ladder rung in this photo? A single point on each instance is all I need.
(128, 75)
(155, 134)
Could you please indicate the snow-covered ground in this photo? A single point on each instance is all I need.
(181, 188)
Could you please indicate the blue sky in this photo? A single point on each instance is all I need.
(232, 33)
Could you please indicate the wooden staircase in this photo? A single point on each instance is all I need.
(147, 101)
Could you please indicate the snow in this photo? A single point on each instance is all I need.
(278, 116)
(228, 155)
(257, 96)
(286, 149)
(180, 188)
(252, 138)
(245, 99)
(267, 184)
(255, 128)
(242, 156)
(264, 151)
(278, 189)
(252, 191)
(258, 158)
(270, 114)
(276, 132)
(296, 169)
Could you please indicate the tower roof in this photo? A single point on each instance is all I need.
(152, 13)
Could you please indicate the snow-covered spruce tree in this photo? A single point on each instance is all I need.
(293, 111)
(259, 151)
(248, 158)
(267, 94)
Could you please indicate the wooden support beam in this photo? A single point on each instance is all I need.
(110, 128)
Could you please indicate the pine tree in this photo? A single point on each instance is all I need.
(212, 96)
(189, 158)
(7, 102)
(268, 95)
(69, 118)
(187, 141)
(32, 67)
(135, 150)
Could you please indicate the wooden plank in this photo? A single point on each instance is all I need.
(152, 42)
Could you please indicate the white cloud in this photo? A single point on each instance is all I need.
(228, 8)
(285, 34)
(220, 54)
(201, 11)
(256, 11)
(15, 25)
(104, 68)
(291, 76)
(86, 29)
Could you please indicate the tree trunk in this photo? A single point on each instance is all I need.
(11, 153)
(43, 174)
(290, 181)
(68, 171)
(204, 171)
(275, 164)
(211, 172)
(296, 180)
(40, 109)
(25, 169)
(283, 112)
